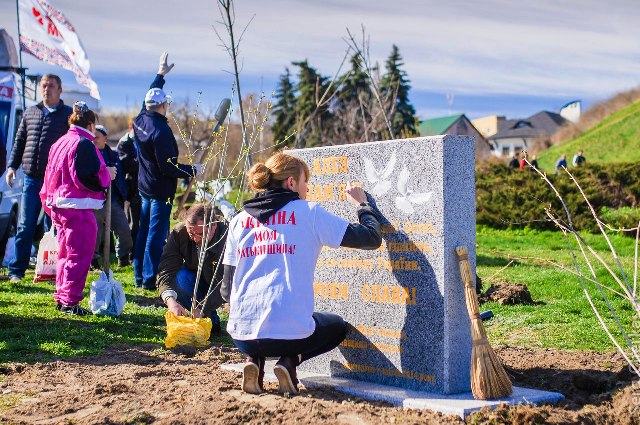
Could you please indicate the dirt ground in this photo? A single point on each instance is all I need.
(145, 384)
(506, 293)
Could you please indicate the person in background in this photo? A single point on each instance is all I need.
(534, 163)
(579, 159)
(180, 259)
(40, 127)
(515, 161)
(128, 154)
(271, 253)
(158, 173)
(119, 222)
(74, 183)
(562, 162)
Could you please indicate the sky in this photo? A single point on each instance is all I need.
(500, 57)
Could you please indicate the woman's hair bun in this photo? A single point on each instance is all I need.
(259, 177)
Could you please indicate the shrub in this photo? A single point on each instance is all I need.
(512, 198)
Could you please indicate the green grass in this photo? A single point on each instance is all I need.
(615, 139)
(562, 318)
(32, 330)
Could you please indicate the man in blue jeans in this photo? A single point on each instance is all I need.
(158, 175)
(41, 126)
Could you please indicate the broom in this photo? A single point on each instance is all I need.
(488, 377)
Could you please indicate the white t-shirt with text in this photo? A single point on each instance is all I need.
(272, 289)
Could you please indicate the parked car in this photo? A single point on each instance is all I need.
(10, 115)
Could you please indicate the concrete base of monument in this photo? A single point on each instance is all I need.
(456, 404)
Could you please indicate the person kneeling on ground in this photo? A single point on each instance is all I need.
(179, 262)
(74, 183)
(269, 260)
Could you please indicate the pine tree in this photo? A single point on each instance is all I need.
(284, 110)
(310, 86)
(355, 84)
(395, 83)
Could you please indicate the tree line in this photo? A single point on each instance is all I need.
(361, 105)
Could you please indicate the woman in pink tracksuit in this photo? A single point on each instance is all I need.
(74, 184)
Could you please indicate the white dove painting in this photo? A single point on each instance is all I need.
(408, 197)
(380, 180)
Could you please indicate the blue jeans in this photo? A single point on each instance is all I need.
(330, 331)
(185, 284)
(30, 206)
(152, 235)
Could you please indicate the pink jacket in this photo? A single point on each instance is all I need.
(62, 187)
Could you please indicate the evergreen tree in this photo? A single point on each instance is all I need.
(284, 110)
(356, 83)
(310, 87)
(396, 83)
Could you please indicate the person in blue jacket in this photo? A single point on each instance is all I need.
(158, 174)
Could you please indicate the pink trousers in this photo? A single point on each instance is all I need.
(77, 231)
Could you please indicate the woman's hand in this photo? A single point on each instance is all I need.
(112, 172)
(175, 307)
(355, 194)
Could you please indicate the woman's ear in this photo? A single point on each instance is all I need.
(291, 183)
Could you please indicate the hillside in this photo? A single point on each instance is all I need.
(614, 139)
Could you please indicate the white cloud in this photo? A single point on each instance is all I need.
(572, 48)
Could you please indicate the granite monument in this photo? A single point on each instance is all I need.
(405, 301)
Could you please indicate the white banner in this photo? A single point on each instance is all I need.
(49, 36)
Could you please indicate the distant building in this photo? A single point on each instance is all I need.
(516, 135)
(488, 126)
(571, 111)
(458, 125)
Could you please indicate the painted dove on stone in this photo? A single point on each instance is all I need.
(380, 180)
(408, 197)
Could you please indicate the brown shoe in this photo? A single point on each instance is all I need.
(285, 371)
(253, 376)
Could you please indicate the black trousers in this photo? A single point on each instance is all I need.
(330, 331)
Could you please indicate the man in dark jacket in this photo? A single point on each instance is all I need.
(158, 173)
(119, 222)
(180, 260)
(41, 126)
(128, 154)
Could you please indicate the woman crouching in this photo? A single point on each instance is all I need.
(269, 263)
(74, 184)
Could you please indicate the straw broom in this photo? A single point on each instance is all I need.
(488, 378)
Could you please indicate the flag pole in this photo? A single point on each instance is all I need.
(23, 75)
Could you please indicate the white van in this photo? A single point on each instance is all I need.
(10, 116)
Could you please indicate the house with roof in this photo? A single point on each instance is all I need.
(518, 134)
(458, 125)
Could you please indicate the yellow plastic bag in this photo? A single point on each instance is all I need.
(182, 330)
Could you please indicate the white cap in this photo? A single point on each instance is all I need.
(156, 97)
(102, 129)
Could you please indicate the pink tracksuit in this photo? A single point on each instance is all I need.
(70, 205)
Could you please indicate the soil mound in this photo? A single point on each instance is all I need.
(506, 293)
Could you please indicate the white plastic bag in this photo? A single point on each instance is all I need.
(9, 252)
(47, 258)
(107, 296)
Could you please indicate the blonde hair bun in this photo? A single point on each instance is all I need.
(259, 177)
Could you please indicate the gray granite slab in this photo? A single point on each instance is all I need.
(462, 404)
(405, 301)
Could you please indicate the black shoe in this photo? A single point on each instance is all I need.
(149, 288)
(123, 261)
(95, 264)
(76, 310)
(216, 329)
(285, 371)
